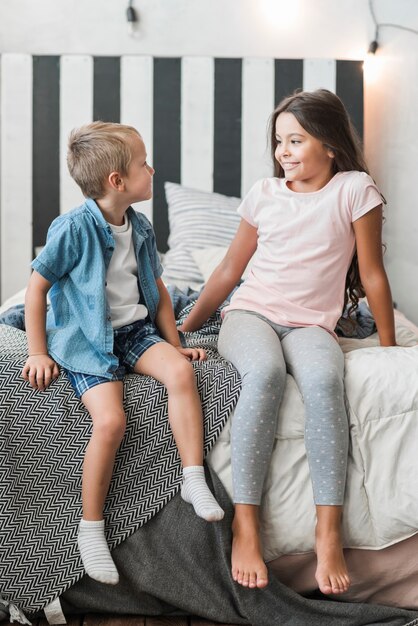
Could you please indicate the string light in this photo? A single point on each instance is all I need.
(375, 43)
(132, 18)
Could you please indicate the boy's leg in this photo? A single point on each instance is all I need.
(164, 363)
(104, 402)
(253, 347)
(316, 361)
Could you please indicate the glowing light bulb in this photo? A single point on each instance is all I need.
(372, 67)
(280, 12)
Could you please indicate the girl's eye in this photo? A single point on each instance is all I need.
(295, 141)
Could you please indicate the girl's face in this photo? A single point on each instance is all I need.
(306, 162)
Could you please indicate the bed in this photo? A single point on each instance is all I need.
(194, 225)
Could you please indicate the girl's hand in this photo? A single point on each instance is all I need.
(193, 354)
(40, 370)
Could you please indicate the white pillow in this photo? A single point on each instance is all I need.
(197, 219)
(17, 298)
(209, 258)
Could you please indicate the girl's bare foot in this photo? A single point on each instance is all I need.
(248, 567)
(331, 572)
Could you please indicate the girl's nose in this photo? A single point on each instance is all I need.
(281, 150)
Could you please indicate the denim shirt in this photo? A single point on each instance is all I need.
(75, 259)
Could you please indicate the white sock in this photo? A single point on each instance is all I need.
(95, 552)
(195, 491)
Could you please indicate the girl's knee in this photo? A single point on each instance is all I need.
(267, 373)
(330, 383)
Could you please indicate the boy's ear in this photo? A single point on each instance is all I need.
(115, 181)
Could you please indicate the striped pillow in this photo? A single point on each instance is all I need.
(197, 219)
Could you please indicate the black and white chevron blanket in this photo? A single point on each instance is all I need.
(43, 436)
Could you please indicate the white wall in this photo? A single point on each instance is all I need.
(278, 28)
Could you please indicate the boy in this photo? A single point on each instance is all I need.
(107, 301)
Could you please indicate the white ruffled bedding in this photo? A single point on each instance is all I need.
(381, 506)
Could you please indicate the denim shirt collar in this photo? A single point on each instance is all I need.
(100, 219)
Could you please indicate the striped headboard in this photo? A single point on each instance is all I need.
(204, 122)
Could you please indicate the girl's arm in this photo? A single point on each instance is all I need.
(225, 277)
(166, 324)
(39, 368)
(368, 233)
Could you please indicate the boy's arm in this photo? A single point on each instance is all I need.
(39, 368)
(166, 324)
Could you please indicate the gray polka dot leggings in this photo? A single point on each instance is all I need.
(261, 351)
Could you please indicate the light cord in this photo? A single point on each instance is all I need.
(375, 43)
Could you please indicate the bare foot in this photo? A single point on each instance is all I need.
(248, 567)
(331, 572)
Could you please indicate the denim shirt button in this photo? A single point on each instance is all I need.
(109, 318)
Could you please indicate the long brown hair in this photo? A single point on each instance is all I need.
(323, 115)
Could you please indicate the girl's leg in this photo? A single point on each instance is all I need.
(164, 363)
(104, 402)
(253, 347)
(316, 361)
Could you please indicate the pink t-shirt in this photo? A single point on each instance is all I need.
(305, 246)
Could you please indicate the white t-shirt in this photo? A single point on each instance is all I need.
(305, 246)
(122, 279)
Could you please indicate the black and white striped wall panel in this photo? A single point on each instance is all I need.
(204, 122)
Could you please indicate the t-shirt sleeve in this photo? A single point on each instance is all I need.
(365, 196)
(61, 251)
(248, 206)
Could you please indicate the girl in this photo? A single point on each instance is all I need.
(315, 232)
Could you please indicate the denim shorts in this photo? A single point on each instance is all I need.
(129, 344)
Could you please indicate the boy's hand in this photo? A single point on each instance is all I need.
(40, 370)
(193, 354)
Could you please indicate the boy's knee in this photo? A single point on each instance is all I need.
(110, 427)
(181, 375)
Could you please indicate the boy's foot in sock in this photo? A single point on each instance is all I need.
(195, 491)
(95, 552)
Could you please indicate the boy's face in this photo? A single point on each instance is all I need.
(138, 181)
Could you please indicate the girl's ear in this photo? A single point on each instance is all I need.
(330, 152)
(115, 181)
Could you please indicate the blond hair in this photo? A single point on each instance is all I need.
(97, 149)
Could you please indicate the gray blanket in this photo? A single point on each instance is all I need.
(180, 564)
(42, 441)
